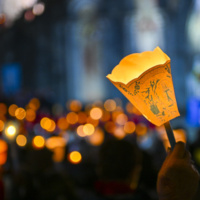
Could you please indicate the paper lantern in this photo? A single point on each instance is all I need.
(146, 80)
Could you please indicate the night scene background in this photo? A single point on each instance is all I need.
(64, 127)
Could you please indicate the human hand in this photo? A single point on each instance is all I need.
(178, 179)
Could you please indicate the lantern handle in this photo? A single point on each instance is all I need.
(170, 134)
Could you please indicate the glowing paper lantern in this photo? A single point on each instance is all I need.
(146, 80)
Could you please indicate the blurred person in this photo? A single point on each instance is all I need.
(178, 179)
(119, 170)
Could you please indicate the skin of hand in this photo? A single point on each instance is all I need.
(178, 179)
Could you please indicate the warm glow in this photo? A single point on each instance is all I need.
(96, 113)
(145, 80)
(110, 105)
(72, 118)
(80, 131)
(3, 109)
(75, 105)
(38, 142)
(3, 158)
(94, 122)
(52, 127)
(75, 157)
(10, 131)
(45, 123)
(110, 127)
(97, 138)
(3, 146)
(30, 115)
(106, 116)
(82, 117)
(62, 123)
(88, 129)
(11, 110)
(20, 113)
(38, 8)
(58, 154)
(21, 140)
(119, 133)
(129, 127)
(141, 129)
(133, 65)
(29, 16)
(34, 104)
(55, 141)
(121, 119)
(179, 135)
(2, 18)
(1, 125)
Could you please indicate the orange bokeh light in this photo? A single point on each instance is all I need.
(2, 125)
(30, 115)
(110, 105)
(75, 157)
(129, 127)
(96, 113)
(72, 118)
(20, 113)
(3, 108)
(38, 142)
(88, 129)
(11, 110)
(75, 106)
(34, 104)
(62, 123)
(141, 129)
(97, 138)
(21, 140)
(121, 119)
(80, 131)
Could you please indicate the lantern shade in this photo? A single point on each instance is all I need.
(146, 81)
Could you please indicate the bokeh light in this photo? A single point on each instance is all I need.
(2, 124)
(3, 109)
(141, 129)
(38, 8)
(75, 157)
(119, 133)
(96, 113)
(10, 131)
(38, 142)
(72, 118)
(20, 113)
(62, 123)
(55, 141)
(11, 110)
(74, 105)
(30, 115)
(80, 131)
(129, 127)
(34, 104)
(21, 140)
(110, 105)
(88, 129)
(121, 119)
(97, 138)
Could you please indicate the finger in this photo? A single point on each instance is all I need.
(179, 150)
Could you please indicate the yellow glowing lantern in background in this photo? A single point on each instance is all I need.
(146, 81)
